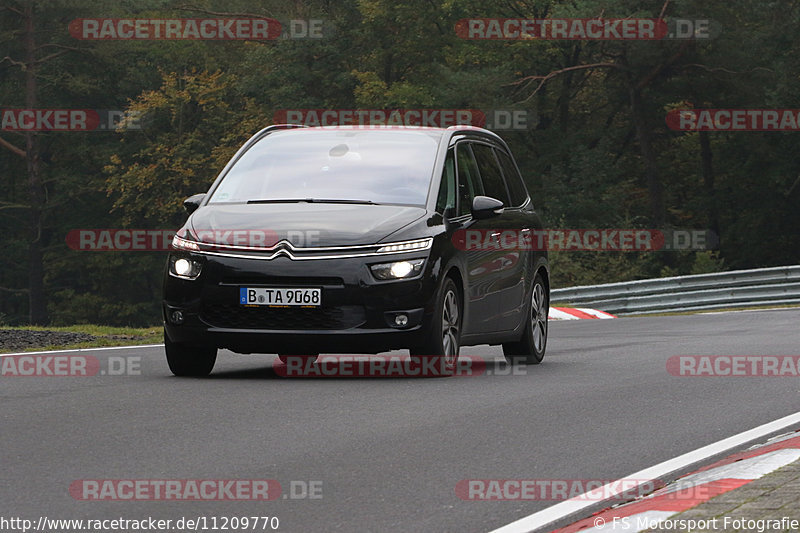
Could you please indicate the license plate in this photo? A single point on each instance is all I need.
(280, 297)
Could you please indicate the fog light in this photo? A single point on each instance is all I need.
(177, 317)
(183, 267)
(398, 269)
(401, 269)
(404, 319)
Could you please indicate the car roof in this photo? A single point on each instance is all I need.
(448, 132)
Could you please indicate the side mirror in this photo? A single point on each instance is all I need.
(486, 207)
(193, 202)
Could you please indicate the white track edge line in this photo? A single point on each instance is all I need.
(85, 349)
(561, 510)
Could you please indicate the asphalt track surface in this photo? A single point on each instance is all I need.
(389, 452)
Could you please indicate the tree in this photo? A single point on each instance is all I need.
(32, 57)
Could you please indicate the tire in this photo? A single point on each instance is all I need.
(444, 337)
(189, 361)
(530, 348)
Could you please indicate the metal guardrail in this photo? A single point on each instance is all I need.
(762, 286)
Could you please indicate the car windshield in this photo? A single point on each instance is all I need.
(369, 166)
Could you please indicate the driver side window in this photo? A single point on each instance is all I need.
(447, 189)
(469, 180)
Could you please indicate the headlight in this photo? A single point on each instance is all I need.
(397, 269)
(183, 244)
(408, 246)
(186, 268)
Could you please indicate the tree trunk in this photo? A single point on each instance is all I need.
(37, 307)
(654, 185)
(706, 158)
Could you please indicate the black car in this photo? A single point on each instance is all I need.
(351, 240)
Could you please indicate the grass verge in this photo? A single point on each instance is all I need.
(104, 336)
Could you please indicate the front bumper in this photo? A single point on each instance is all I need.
(357, 314)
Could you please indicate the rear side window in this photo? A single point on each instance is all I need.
(469, 180)
(491, 175)
(515, 185)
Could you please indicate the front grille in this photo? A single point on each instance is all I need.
(292, 318)
(283, 281)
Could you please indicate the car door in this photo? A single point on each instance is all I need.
(481, 313)
(509, 262)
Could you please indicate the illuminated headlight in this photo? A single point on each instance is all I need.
(182, 267)
(398, 269)
(183, 244)
(410, 246)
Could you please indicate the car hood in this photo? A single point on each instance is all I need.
(302, 224)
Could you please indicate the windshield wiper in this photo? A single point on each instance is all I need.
(310, 201)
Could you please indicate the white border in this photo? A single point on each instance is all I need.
(133, 346)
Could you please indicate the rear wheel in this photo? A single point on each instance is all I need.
(444, 339)
(189, 361)
(530, 348)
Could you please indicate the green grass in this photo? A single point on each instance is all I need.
(106, 336)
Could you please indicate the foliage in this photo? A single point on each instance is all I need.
(598, 155)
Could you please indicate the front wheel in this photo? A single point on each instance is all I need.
(444, 339)
(531, 347)
(189, 361)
